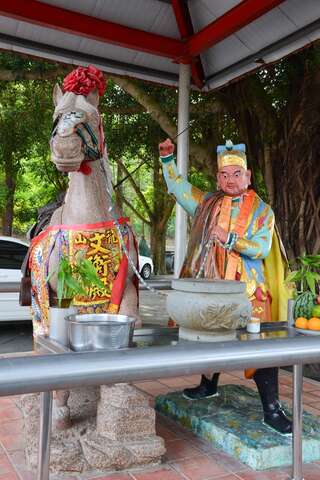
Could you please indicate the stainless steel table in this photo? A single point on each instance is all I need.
(148, 335)
(65, 370)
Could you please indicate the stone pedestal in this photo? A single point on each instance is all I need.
(112, 428)
(125, 435)
(232, 422)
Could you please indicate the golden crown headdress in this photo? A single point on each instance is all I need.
(230, 154)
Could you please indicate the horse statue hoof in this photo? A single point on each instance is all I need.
(61, 418)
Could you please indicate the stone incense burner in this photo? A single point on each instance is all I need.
(208, 310)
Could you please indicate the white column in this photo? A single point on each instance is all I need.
(182, 163)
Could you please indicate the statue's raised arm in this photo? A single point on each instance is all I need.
(188, 196)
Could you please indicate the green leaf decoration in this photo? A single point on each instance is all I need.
(311, 282)
(294, 276)
(60, 286)
(75, 278)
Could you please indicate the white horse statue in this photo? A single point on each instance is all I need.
(86, 220)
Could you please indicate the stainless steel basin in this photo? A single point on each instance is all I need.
(100, 331)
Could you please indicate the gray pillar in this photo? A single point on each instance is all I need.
(182, 164)
(297, 422)
(44, 436)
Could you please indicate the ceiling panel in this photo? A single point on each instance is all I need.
(282, 30)
(148, 15)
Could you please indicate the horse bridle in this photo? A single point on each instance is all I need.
(72, 122)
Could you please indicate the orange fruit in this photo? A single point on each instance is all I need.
(301, 322)
(314, 323)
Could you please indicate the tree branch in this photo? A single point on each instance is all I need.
(195, 109)
(168, 210)
(202, 154)
(136, 189)
(135, 211)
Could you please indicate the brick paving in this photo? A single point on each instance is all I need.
(187, 457)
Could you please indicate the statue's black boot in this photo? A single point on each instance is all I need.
(207, 388)
(267, 382)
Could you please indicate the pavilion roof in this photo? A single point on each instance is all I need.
(147, 39)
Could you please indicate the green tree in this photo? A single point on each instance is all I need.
(29, 179)
(274, 111)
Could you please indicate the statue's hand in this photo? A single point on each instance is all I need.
(220, 234)
(166, 148)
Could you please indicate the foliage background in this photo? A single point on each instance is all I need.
(275, 111)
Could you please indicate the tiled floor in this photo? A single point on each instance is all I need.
(187, 458)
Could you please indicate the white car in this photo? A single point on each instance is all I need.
(145, 267)
(12, 253)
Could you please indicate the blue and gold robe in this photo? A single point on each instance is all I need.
(260, 263)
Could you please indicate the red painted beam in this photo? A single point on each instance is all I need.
(238, 17)
(72, 22)
(184, 22)
(183, 18)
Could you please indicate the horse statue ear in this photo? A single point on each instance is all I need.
(57, 94)
(93, 97)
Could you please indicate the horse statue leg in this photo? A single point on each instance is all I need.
(61, 412)
(129, 302)
(61, 419)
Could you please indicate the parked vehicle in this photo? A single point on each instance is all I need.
(145, 267)
(12, 253)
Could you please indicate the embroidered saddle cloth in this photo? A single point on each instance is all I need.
(101, 245)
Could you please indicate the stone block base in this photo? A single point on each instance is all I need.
(106, 454)
(110, 428)
(232, 422)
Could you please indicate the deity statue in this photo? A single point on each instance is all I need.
(233, 237)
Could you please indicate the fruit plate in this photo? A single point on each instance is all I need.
(307, 332)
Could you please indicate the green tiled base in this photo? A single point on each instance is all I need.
(232, 422)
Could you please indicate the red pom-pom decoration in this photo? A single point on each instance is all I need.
(85, 167)
(82, 81)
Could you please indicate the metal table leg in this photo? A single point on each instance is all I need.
(44, 436)
(297, 423)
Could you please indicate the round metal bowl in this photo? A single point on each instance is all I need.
(99, 331)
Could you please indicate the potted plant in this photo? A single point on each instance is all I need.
(307, 298)
(73, 278)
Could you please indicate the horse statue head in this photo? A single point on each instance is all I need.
(77, 135)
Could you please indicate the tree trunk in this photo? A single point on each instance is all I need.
(10, 182)
(285, 147)
(158, 247)
(162, 208)
(118, 190)
(297, 177)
